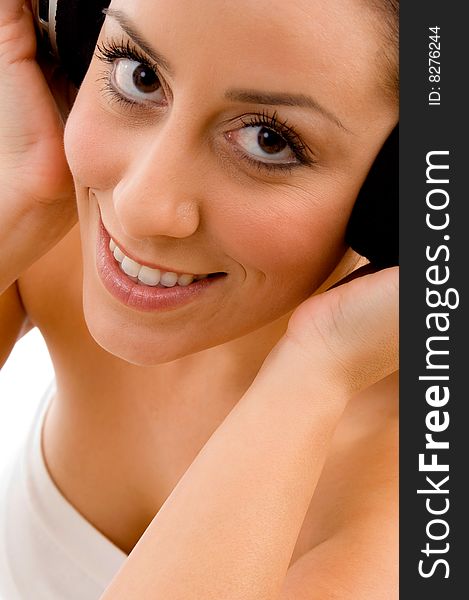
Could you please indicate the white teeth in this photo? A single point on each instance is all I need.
(185, 279)
(149, 276)
(130, 267)
(118, 254)
(169, 279)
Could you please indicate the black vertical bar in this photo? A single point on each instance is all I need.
(434, 119)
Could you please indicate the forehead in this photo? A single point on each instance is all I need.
(329, 47)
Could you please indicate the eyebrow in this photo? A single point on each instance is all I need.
(282, 99)
(234, 95)
(131, 31)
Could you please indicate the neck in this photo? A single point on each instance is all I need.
(226, 371)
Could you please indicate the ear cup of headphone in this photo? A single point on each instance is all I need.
(78, 23)
(374, 223)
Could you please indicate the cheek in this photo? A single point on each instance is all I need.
(91, 145)
(292, 238)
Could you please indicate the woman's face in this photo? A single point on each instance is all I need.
(243, 154)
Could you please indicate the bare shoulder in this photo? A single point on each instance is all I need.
(40, 292)
(348, 546)
(359, 483)
(363, 466)
(51, 288)
(12, 320)
(368, 440)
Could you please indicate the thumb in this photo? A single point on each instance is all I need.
(350, 333)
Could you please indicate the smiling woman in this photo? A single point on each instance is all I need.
(182, 173)
(213, 405)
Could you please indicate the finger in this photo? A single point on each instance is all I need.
(350, 333)
(11, 11)
(17, 35)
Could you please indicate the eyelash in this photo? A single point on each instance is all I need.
(112, 51)
(285, 131)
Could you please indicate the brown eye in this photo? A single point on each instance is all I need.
(264, 144)
(136, 81)
(145, 80)
(270, 141)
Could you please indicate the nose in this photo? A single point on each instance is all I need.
(157, 196)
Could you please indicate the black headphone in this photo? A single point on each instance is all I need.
(69, 30)
(373, 227)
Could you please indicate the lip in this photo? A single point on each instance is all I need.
(142, 297)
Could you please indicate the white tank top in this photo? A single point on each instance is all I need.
(48, 550)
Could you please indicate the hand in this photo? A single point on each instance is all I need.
(37, 187)
(350, 333)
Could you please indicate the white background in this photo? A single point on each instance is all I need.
(23, 381)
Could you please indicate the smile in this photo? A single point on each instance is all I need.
(149, 288)
(145, 275)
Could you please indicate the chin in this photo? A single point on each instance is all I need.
(132, 341)
(129, 347)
